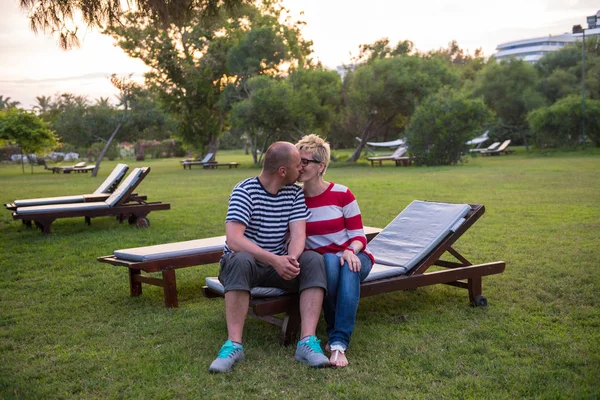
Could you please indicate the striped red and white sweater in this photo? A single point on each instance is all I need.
(335, 221)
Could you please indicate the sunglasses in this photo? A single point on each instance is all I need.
(306, 161)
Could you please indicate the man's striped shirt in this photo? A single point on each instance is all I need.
(266, 216)
(335, 221)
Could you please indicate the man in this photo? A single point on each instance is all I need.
(263, 213)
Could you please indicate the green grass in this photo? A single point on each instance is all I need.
(68, 327)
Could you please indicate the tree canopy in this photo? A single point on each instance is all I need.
(26, 130)
(58, 17)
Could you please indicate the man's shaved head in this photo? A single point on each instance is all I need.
(277, 155)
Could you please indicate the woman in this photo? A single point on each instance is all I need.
(335, 230)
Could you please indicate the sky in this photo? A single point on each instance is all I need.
(34, 65)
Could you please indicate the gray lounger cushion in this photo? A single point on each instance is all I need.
(412, 235)
(214, 284)
(43, 201)
(114, 176)
(62, 207)
(131, 179)
(170, 250)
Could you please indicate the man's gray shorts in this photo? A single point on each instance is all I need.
(240, 271)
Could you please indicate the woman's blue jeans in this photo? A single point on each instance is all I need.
(341, 301)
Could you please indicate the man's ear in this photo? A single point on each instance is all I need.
(281, 171)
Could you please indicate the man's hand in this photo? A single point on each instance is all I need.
(286, 266)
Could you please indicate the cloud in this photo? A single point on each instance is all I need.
(89, 76)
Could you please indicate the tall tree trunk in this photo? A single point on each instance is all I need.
(108, 142)
(364, 136)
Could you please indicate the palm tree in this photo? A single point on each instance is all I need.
(103, 102)
(44, 104)
(6, 104)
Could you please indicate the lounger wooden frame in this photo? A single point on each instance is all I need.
(130, 207)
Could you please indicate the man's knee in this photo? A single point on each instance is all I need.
(236, 271)
(312, 270)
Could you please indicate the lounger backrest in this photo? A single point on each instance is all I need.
(400, 151)
(80, 165)
(127, 186)
(208, 158)
(415, 232)
(504, 145)
(112, 180)
(493, 146)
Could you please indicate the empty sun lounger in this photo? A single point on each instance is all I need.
(100, 194)
(115, 205)
(80, 167)
(492, 146)
(404, 251)
(209, 158)
(166, 258)
(397, 156)
(499, 150)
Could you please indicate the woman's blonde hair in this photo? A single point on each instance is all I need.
(318, 148)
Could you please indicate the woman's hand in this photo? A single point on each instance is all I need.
(352, 260)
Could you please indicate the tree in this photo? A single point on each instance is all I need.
(57, 16)
(44, 104)
(7, 104)
(509, 89)
(369, 52)
(467, 65)
(306, 101)
(200, 67)
(26, 130)
(382, 95)
(560, 124)
(441, 126)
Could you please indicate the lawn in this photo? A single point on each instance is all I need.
(68, 327)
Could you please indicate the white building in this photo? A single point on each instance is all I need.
(531, 50)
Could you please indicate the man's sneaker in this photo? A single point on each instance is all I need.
(229, 354)
(309, 351)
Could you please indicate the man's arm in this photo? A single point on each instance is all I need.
(236, 241)
(297, 238)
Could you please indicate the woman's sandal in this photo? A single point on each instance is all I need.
(336, 350)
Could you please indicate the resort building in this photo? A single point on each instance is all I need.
(531, 50)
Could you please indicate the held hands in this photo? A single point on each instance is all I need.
(352, 260)
(287, 267)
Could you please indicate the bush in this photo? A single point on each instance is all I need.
(560, 124)
(441, 126)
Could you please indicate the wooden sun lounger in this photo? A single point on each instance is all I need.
(121, 204)
(210, 157)
(502, 149)
(209, 251)
(397, 156)
(460, 273)
(68, 170)
(214, 165)
(100, 194)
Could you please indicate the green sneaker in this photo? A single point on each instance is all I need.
(308, 351)
(229, 354)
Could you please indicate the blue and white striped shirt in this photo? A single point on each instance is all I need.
(266, 216)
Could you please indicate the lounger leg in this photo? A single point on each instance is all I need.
(44, 225)
(475, 290)
(170, 288)
(135, 287)
(290, 328)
